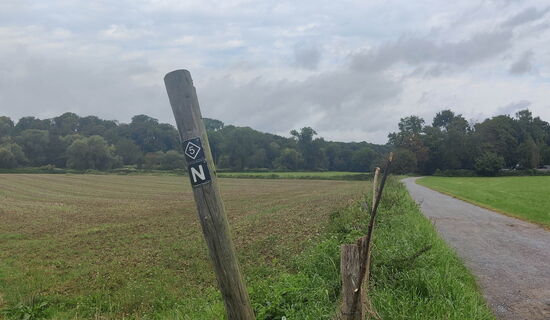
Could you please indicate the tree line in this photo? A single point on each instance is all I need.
(451, 143)
(71, 141)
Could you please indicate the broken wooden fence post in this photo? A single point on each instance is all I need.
(211, 211)
(354, 293)
(365, 301)
(350, 262)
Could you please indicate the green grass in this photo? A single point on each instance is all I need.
(522, 197)
(311, 175)
(130, 247)
(436, 285)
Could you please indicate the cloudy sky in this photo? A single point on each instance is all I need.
(349, 69)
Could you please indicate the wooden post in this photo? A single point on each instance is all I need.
(375, 185)
(210, 208)
(350, 263)
(375, 189)
(365, 301)
(356, 301)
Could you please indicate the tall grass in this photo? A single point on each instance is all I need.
(405, 283)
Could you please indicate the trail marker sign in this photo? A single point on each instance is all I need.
(197, 166)
(193, 149)
(199, 173)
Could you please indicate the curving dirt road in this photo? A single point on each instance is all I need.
(509, 257)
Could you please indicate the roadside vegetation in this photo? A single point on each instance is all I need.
(414, 274)
(522, 197)
(130, 247)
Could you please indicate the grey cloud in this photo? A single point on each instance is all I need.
(33, 85)
(525, 16)
(523, 64)
(331, 101)
(513, 107)
(416, 51)
(307, 56)
(346, 96)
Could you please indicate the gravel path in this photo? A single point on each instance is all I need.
(509, 257)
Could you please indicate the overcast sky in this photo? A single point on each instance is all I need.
(349, 69)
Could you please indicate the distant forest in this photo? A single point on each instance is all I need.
(449, 143)
(81, 143)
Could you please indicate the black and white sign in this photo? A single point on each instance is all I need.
(193, 150)
(196, 162)
(199, 173)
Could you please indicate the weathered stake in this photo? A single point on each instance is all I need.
(355, 295)
(375, 186)
(210, 208)
(366, 305)
(349, 271)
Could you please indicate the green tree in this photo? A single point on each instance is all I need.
(6, 126)
(489, 164)
(310, 149)
(7, 159)
(65, 124)
(92, 125)
(361, 159)
(35, 144)
(153, 160)
(529, 154)
(443, 119)
(172, 160)
(410, 137)
(289, 159)
(499, 135)
(78, 155)
(212, 124)
(91, 153)
(11, 155)
(405, 161)
(128, 151)
(27, 123)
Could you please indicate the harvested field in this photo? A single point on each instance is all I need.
(105, 246)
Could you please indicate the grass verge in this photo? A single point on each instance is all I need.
(434, 285)
(521, 197)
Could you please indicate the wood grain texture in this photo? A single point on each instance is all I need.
(210, 208)
(349, 271)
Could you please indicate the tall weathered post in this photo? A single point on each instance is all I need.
(211, 211)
